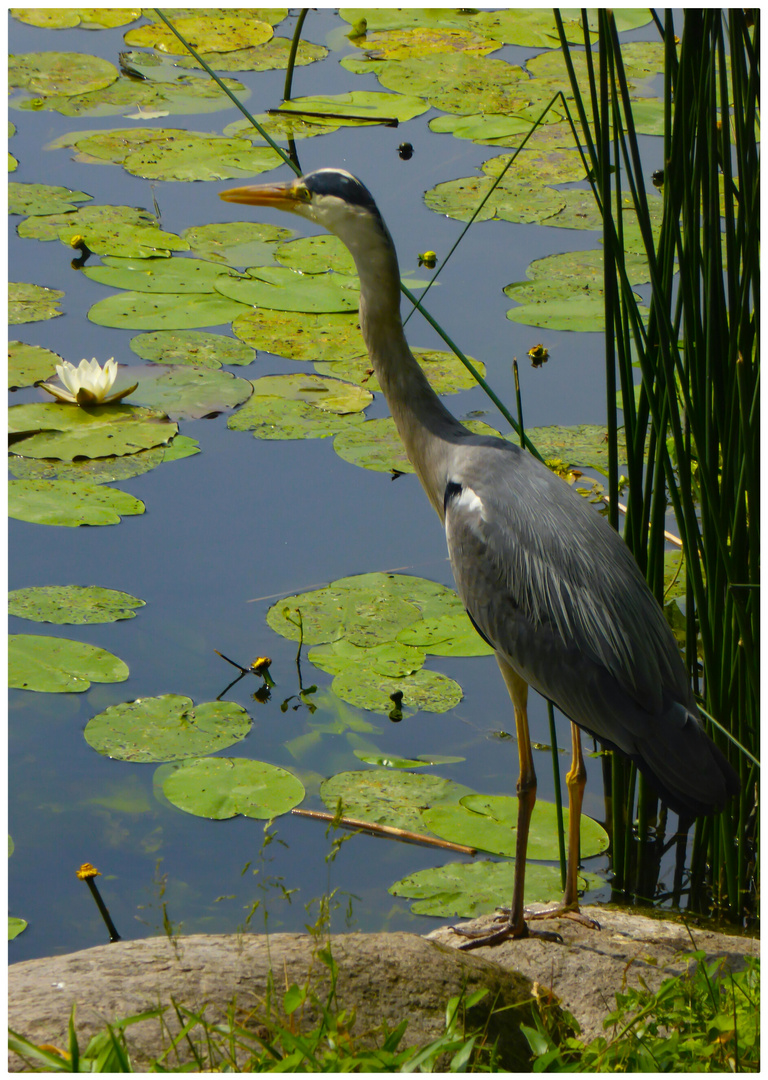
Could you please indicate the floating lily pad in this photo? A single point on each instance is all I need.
(175, 275)
(61, 502)
(316, 255)
(13, 163)
(195, 347)
(467, 890)
(106, 230)
(36, 199)
(427, 691)
(386, 798)
(372, 105)
(236, 243)
(166, 728)
(55, 665)
(215, 32)
(67, 431)
(413, 42)
(449, 634)
(444, 370)
(28, 364)
(388, 658)
(103, 470)
(284, 290)
(185, 95)
(365, 616)
(73, 604)
(189, 156)
(489, 823)
(225, 787)
(85, 18)
(299, 335)
(393, 762)
(522, 203)
(32, 303)
(49, 73)
(300, 407)
(582, 445)
(189, 393)
(271, 56)
(281, 127)
(15, 926)
(163, 311)
(374, 444)
(576, 313)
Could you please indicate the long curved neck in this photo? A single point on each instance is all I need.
(428, 430)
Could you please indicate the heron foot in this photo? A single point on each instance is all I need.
(563, 911)
(507, 931)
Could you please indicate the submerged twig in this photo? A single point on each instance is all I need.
(389, 831)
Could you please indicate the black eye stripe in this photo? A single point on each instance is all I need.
(342, 185)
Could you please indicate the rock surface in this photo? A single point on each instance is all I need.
(385, 977)
(591, 966)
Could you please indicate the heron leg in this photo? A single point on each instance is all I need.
(515, 925)
(576, 779)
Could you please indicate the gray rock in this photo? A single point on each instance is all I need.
(384, 977)
(587, 971)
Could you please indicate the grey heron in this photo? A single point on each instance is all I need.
(548, 583)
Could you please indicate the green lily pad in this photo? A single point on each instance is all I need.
(106, 230)
(189, 156)
(316, 255)
(50, 73)
(412, 42)
(576, 313)
(67, 431)
(225, 787)
(28, 364)
(85, 18)
(195, 347)
(374, 444)
(445, 372)
(183, 96)
(15, 926)
(189, 393)
(284, 290)
(467, 890)
(427, 691)
(299, 335)
(214, 32)
(386, 798)
(387, 658)
(371, 105)
(72, 604)
(61, 502)
(489, 823)
(166, 728)
(526, 204)
(582, 445)
(449, 634)
(54, 665)
(32, 303)
(175, 275)
(272, 55)
(236, 243)
(103, 470)
(13, 163)
(299, 407)
(36, 199)
(163, 311)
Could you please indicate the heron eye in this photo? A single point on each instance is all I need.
(303, 193)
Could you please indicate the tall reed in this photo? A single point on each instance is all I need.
(691, 429)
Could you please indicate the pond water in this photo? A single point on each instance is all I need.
(244, 522)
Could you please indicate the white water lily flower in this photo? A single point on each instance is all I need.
(87, 384)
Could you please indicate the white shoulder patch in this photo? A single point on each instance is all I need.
(470, 500)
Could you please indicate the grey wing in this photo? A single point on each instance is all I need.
(555, 590)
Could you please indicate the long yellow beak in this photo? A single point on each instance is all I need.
(282, 196)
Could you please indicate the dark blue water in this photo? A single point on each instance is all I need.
(229, 530)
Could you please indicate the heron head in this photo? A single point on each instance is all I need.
(332, 198)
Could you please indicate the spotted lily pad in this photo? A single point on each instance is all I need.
(387, 658)
(215, 32)
(189, 393)
(190, 156)
(49, 73)
(449, 634)
(195, 347)
(284, 290)
(183, 96)
(469, 889)
(316, 255)
(55, 665)
(106, 230)
(225, 787)
(28, 364)
(374, 444)
(371, 105)
(166, 728)
(386, 798)
(583, 445)
(67, 431)
(423, 41)
(424, 691)
(299, 335)
(163, 311)
(103, 470)
(36, 199)
(85, 18)
(489, 823)
(236, 243)
(32, 303)
(365, 615)
(61, 502)
(300, 407)
(444, 370)
(175, 275)
(72, 604)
